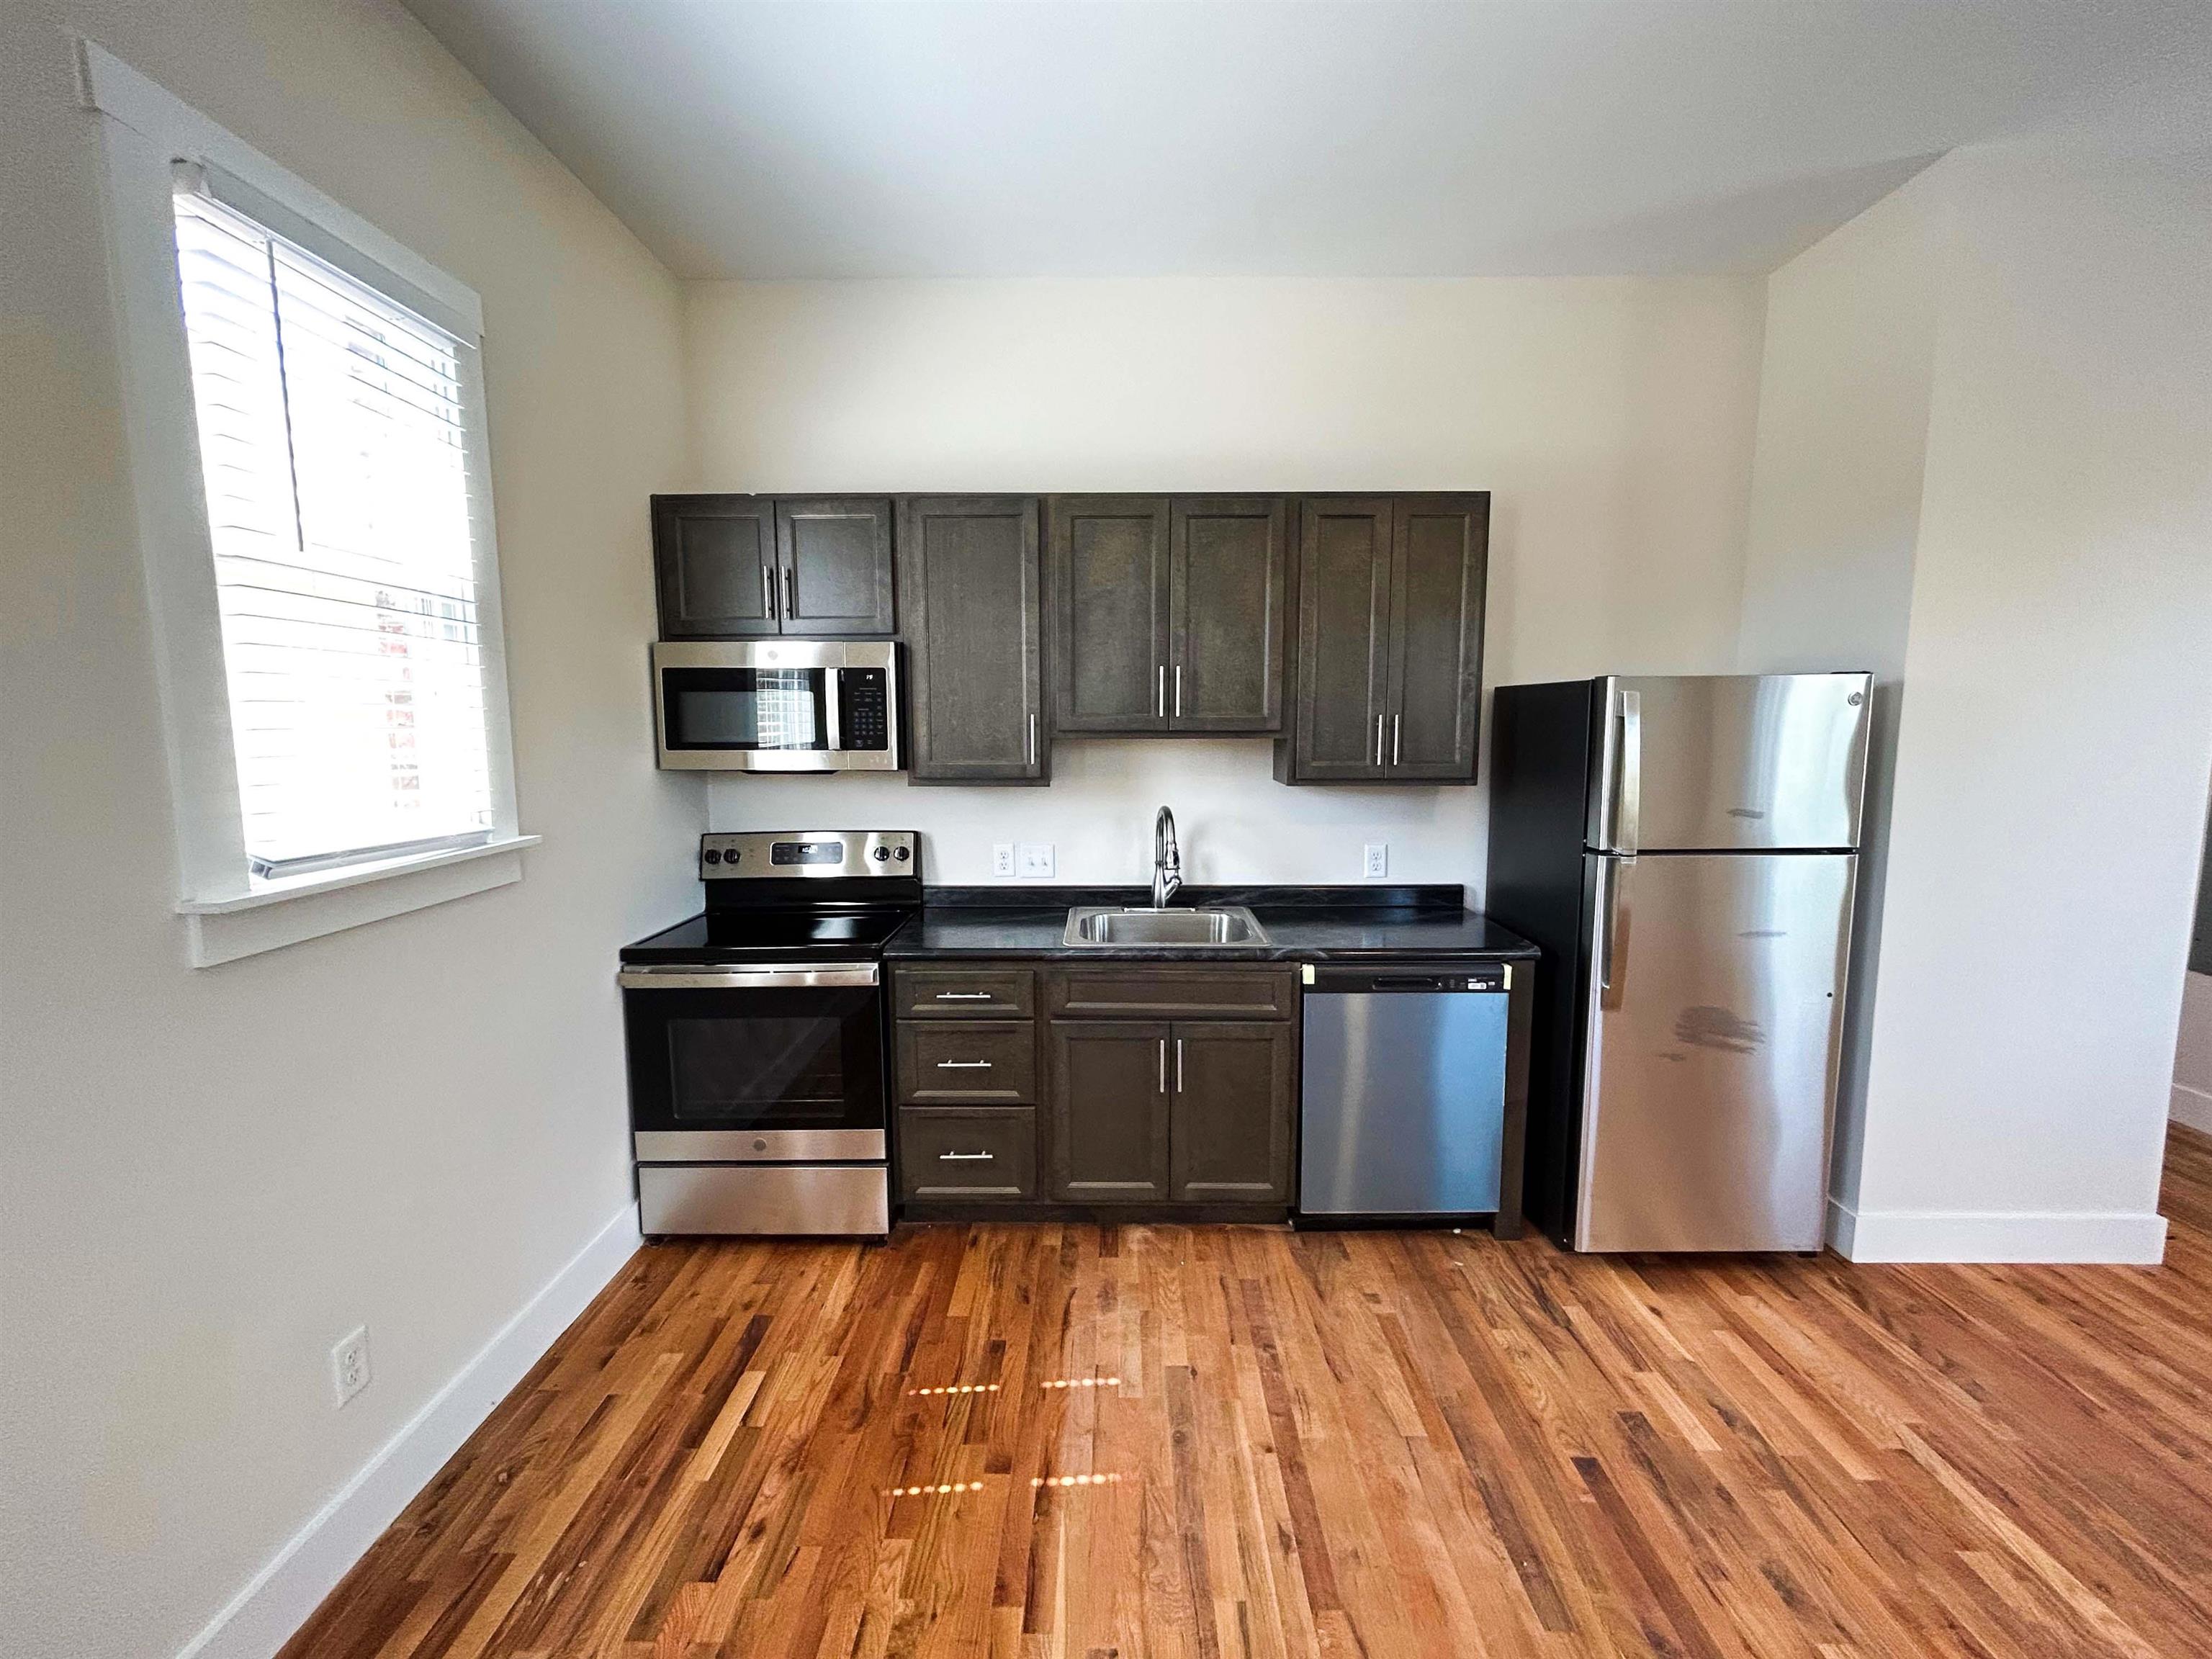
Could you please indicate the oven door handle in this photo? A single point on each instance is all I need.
(745, 976)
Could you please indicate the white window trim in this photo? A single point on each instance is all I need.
(230, 913)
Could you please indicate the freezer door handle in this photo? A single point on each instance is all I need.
(1628, 791)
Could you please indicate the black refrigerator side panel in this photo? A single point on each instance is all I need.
(1541, 739)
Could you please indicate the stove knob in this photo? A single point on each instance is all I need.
(882, 854)
(759, 1145)
(902, 855)
(713, 857)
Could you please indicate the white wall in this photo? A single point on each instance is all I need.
(1611, 418)
(2055, 733)
(208, 1176)
(1835, 514)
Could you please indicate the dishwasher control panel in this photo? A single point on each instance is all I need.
(1382, 978)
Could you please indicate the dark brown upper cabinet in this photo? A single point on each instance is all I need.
(971, 580)
(1389, 598)
(739, 567)
(1111, 588)
(1168, 613)
(714, 558)
(835, 552)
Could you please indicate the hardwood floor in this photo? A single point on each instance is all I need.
(1165, 1441)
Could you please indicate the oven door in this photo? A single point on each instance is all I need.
(767, 1064)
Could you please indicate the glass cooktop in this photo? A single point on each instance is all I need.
(770, 936)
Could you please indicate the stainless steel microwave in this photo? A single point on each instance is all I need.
(777, 705)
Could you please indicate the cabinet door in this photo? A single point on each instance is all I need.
(713, 560)
(969, 575)
(1439, 557)
(1110, 578)
(1344, 613)
(1109, 1095)
(1225, 671)
(1229, 1090)
(834, 555)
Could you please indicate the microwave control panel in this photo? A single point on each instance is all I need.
(863, 709)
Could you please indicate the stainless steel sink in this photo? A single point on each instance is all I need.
(1224, 924)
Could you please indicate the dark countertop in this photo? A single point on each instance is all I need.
(1304, 923)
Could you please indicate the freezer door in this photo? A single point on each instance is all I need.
(1715, 1003)
(1728, 760)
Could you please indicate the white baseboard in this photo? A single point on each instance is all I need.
(2193, 1107)
(2061, 1236)
(278, 1600)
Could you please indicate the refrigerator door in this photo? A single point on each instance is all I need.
(1729, 762)
(1715, 1004)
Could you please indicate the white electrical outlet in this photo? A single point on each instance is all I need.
(1378, 859)
(349, 1364)
(1002, 858)
(1037, 858)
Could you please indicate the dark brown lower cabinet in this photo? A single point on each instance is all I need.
(1229, 1117)
(1108, 1093)
(967, 1154)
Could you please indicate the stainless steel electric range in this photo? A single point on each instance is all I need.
(758, 1092)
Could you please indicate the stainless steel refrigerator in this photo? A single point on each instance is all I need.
(1684, 849)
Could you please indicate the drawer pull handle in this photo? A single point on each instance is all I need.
(963, 1064)
(963, 1157)
(963, 996)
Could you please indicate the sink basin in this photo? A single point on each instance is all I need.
(1226, 924)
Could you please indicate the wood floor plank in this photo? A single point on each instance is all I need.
(1058, 1441)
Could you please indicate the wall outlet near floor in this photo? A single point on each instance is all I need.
(349, 1364)
(1377, 861)
(1036, 858)
(1002, 858)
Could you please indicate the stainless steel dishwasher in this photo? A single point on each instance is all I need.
(1402, 1110)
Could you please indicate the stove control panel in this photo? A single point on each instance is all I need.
(783, 854)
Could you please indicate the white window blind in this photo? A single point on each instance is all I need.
(334, 450)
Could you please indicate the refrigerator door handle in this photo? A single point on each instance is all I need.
(1613, 923)
(1628, 798)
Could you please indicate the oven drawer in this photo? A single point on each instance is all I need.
(967, 1063)
(835, 1200)
(967, 1153)
(965, 993)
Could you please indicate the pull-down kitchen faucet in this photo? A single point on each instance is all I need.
(1167, 859)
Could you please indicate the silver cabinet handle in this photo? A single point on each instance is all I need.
(963, 1064)
(1160, 694)
(1033, 740)
(1178, 695)
(790, 592)
(963, 1157)
(768, 593)
(1164, 1066)
(963, 996)
(1396, 724)
(1178, 1065)
(1378, 739)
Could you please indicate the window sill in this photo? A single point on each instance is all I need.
(276, 913)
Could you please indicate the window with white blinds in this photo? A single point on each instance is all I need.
(335, 451)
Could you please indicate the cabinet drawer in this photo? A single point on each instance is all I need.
(967, 1153)
(967, 1062)
(1147, 990)
(966, 992)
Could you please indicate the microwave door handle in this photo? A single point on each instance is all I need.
(833, 693)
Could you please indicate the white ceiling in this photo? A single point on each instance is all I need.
(817, 138)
